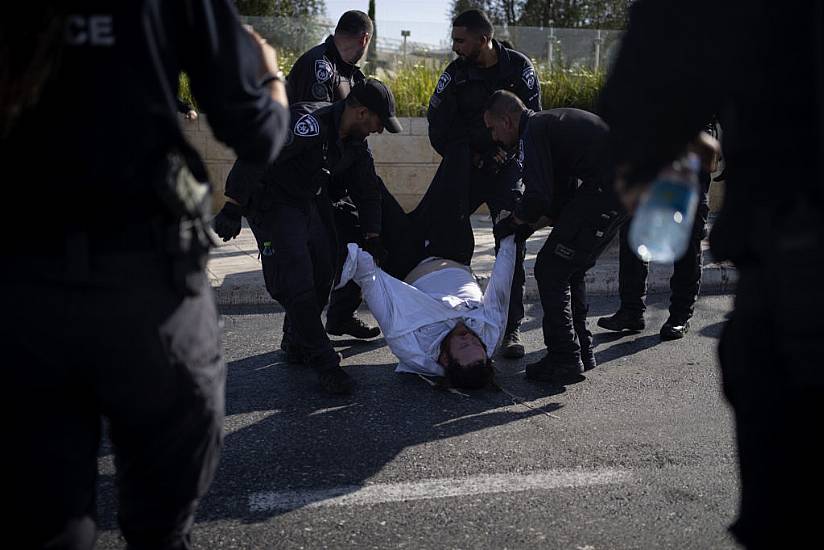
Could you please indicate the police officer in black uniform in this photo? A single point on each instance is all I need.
(327, 72)
(684, 283)
(108, 311)
(568, 182)
(290, 212)
(760, 65)
(474, 169)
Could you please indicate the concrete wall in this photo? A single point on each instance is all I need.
(405, 161)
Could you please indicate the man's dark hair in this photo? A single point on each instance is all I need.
(503, 102)
(354, 23)
(474, 376)
(475, 21)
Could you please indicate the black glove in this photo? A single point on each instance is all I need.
(374, 245)
(227, 223)
(504, 228)
(508, 226)
(523, 232)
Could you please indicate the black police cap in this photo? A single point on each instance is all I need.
(375, 96)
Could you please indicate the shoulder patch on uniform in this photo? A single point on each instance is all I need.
(319, 91)
(434, 102)
(529, 77)
(443, 82)
(323, 70)
(307, 126)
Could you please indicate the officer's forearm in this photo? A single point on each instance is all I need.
(277, 91)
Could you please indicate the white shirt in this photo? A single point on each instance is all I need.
(415, 319)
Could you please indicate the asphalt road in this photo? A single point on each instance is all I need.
(639, 455)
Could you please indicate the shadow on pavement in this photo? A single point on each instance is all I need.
(298, 441)
(627, 347)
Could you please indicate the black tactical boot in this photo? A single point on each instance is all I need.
(353, 327)
(335, 381)
(511, 347)
(588, 359)
(623, 320)
(555, 372)
(676, 327)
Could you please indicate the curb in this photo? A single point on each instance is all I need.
(602, 280)
(235, 275)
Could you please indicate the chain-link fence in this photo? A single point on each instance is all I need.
(408, 42)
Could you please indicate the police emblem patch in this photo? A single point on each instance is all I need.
(323, 70)
(529, 77)
(319, 91)
(307, 126)
(443, 82)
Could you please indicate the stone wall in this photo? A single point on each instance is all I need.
(405, 161)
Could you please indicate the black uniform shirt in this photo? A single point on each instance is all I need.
(313, 160)
(107, 116)
(321, 75)
(557, 148)
(456, 107)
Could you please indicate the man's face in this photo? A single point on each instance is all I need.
(363, 45)
(466, 44)
(464, 346)
(366, 122)
(501, 129)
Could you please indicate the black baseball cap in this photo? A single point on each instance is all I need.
(375, 96)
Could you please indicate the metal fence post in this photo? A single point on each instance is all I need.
(598, 51)
(550, 45)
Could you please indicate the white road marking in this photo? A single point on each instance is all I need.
(354, 495)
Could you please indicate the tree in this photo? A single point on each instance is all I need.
(493, 8)
(281, 8)
(372, 52)
(601, 14)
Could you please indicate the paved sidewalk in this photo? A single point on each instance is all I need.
(234, 268)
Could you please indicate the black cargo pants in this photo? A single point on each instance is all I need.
(686, 276)
(773, 379)
(585, 227)
(95, 329)
(297, 244)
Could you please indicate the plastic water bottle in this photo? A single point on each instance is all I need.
(661, 227)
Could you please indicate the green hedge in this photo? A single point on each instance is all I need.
(412, 86)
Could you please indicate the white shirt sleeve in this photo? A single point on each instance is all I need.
(496, 296)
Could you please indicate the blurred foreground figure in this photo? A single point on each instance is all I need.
(108, 312)
(761, 65)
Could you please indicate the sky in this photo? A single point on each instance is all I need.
(428, 20)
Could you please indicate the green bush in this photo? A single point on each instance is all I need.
(413, 85)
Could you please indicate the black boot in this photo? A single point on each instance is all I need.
(511, 346)
(588, 359)
(353, 327)
(335, 381)
(623, 320)
(555, 372)
(676, 327)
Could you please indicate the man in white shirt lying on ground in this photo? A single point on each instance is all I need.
(437, 321)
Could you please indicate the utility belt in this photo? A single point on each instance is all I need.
(171, 232)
